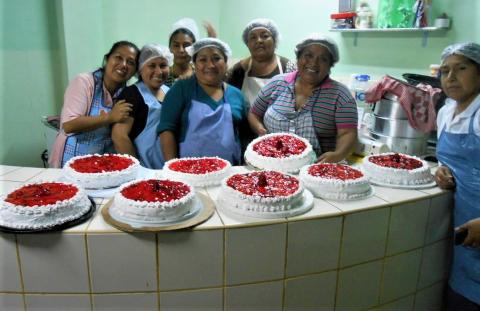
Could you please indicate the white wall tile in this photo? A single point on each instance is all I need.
(312, 292)
(9, 270)
(358, 287)
(54, 262)
(408, 223)
(403, 304)
(122, 262)
(364, 236)
(396, 196)
(23, 174)
(190, 259)
(255, 297)
(400, 275)
(5, 169)
(50, 174)
(11, 302)
(58, 302)
(357, 205)
(430, 299)
(435, 263)
(206, 299)
(127, 302)
(8, 186)
(440, 218)
(313, 245)
(255, 253)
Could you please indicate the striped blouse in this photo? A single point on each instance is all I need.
(331, 105)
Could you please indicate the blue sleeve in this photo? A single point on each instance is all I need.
(172, 109)
(238, 103)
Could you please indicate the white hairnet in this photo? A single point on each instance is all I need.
(469, 49)
(317, 38)
(188, 24)
(209, 42)
(151, 51)
(265, 23)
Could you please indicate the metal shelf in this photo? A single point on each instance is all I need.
(424, 31)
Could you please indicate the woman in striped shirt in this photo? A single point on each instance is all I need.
(308, 103)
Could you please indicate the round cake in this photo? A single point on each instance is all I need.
(43, 205)
(282, 152)
(97, 171)
(335, 181)
(198, 172)
(153, 200)
(261, 194)
(397, 169)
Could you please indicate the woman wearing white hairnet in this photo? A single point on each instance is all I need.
(201, 114)
(137, 135)
(261, 36)
(184, 33)
(458, 150)
(308, 103)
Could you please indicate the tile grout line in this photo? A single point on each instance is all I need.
(384, 259)
(285, 267)
(157, 260)
(224, 289)
(340, 248)
(20, 271)
(89, 272)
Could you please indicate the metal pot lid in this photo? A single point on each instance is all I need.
(390, 96)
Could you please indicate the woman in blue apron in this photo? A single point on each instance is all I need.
(137, 135)
(201, 114)
(88, 110)
(458, 150)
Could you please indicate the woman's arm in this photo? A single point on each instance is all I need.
(168, 144)
(121, 139)
(444, 178)
(256, 124)
(119, 113)
(473, 236)
(346, 139)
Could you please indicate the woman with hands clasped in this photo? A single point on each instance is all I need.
(88, 110)
(137, 135)
(308, 103)
(458, 150)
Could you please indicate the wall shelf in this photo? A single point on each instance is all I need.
(425, 31)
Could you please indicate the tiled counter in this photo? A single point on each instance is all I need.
(388, 252)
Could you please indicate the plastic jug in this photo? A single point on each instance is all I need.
(359, 87)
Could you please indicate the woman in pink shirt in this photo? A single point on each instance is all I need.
(88, 111)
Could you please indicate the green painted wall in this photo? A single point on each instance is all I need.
(44, 43)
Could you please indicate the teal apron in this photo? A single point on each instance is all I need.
(95, 141)
(147, 143)
(461, 153)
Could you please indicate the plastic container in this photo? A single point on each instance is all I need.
(359, 86)
(345, 20)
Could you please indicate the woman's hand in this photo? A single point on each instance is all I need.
(330, 157)
(120, 112)
(473, 237)
(444, 178)
(256, 124)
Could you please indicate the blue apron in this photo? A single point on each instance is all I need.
(210, 132)
(147, 143)
(95, 141)
(461, 153)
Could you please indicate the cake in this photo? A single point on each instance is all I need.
(43, 205)
(261, 194)
(335, 181)
(97, 171)
(153, 200)
(282, 152)
(397, 169)
(199, 172)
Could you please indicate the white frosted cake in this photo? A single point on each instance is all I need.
(397, 169)
(153, 200)
(43, 205)
(282, 152)
(335, 181)
(261, 194)
(198, 172)
(97, 171)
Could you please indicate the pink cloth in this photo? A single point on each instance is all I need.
(417, 101)
(77, 102)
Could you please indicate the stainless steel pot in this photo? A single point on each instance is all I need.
(389, 108)
(398, 128)
(413, 146)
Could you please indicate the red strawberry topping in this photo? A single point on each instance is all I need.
(265, 184)
(198, 166)
(334, 171)
(42, 194)
(279, 146)
(101, 163)
(154, 190)
(396, 161)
